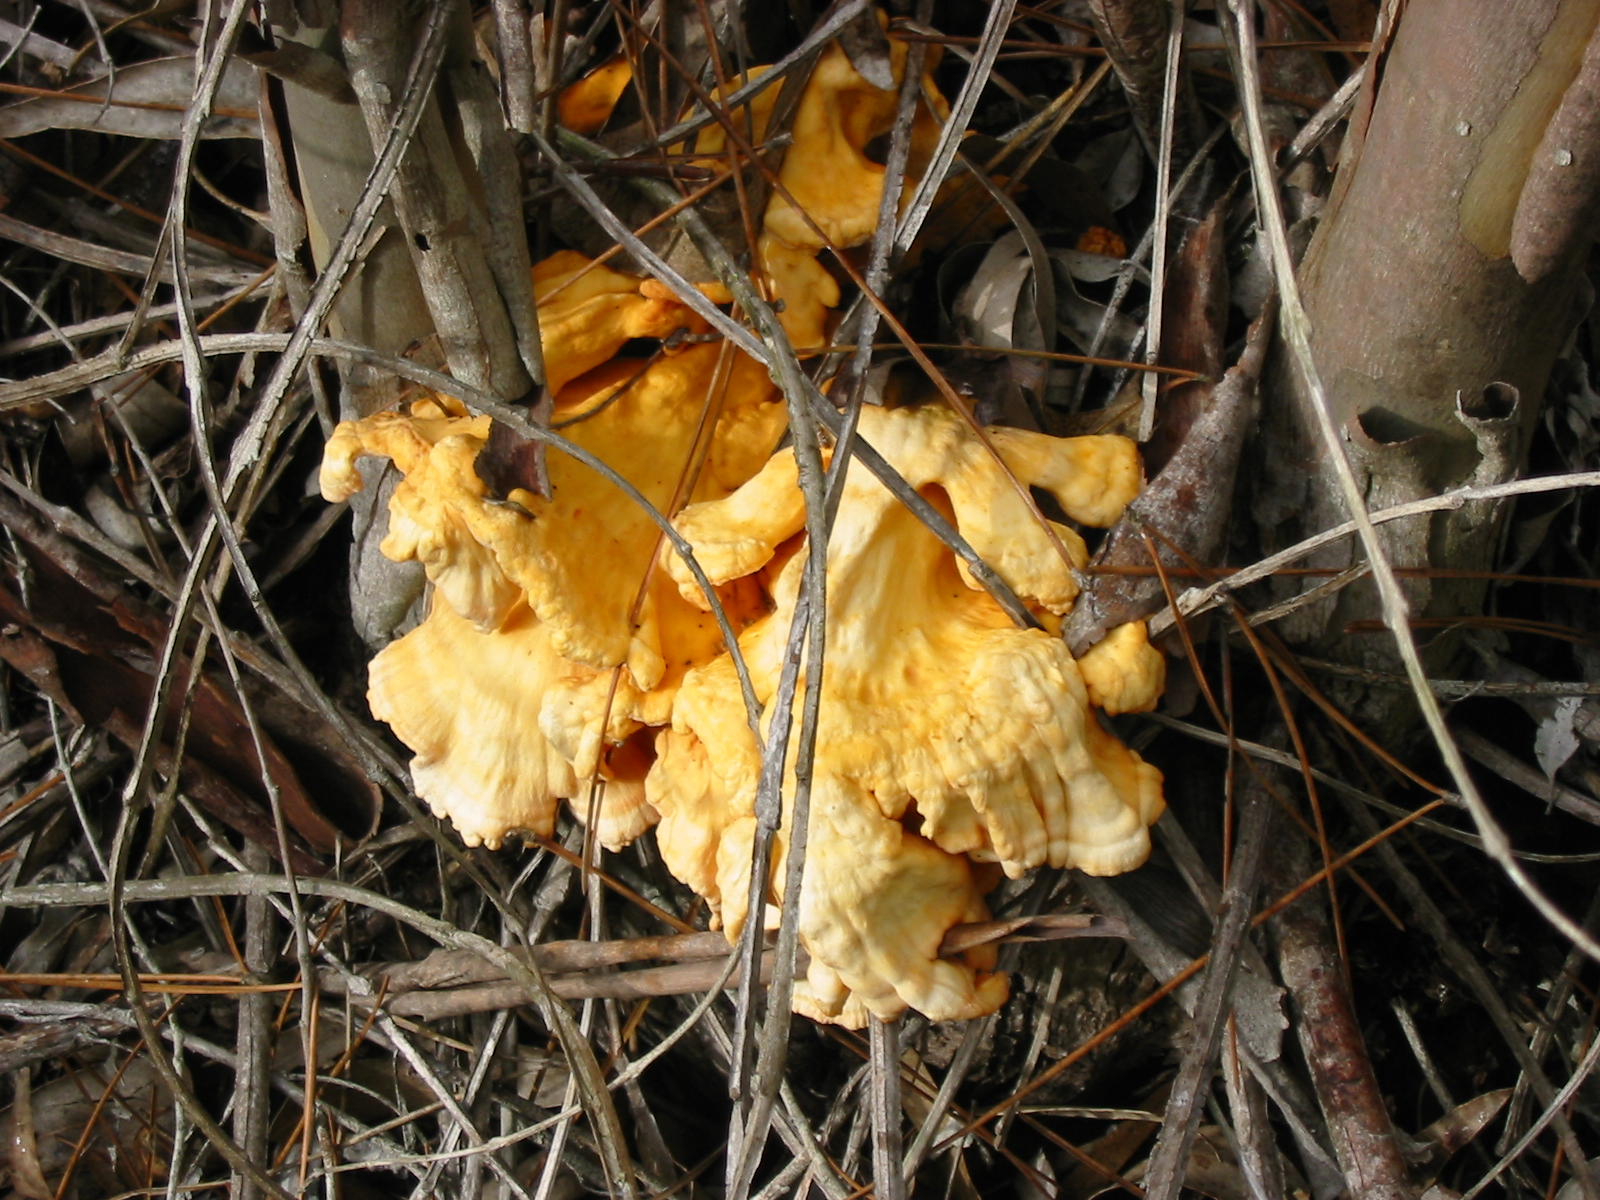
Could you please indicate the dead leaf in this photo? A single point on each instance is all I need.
(995, 307)
(1079, 318)
(1441, 1140)
(1212, 1170)
(509, 461)
(1194, 324)
(1113, 1149)
(133, 1130)
(1557, 739)
(916, 1098)
(994, 385)
(1116, 162)
(97, 660)
(867, 47)
(298, 64)
(1572, 1189)
(1044, 1173)
(986, 309)
(1086, 266)
(1071, 201)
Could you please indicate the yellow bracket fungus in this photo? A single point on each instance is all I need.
(827, 171)
(945, 730)
(565, 656)
(587, 311)
(539, 602)
(829, 176)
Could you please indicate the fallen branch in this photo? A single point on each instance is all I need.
(450, 983)
(1330, 1037)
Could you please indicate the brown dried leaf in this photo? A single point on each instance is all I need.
(509, 461)
(1189, 503)
(867, 47)
(1112, 1150)
(1460, 1125)
(98, 660)
(1194, 324)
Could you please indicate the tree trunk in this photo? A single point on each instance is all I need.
(1440, 285)
(448, 273)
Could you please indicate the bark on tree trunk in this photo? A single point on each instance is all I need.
(1434, 346)
(453, 261)
(381, 305)
(449, 233)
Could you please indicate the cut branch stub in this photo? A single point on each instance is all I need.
(1188, 505)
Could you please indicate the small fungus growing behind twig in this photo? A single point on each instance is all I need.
(828, 172)
(585, 106)
(946, 734)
